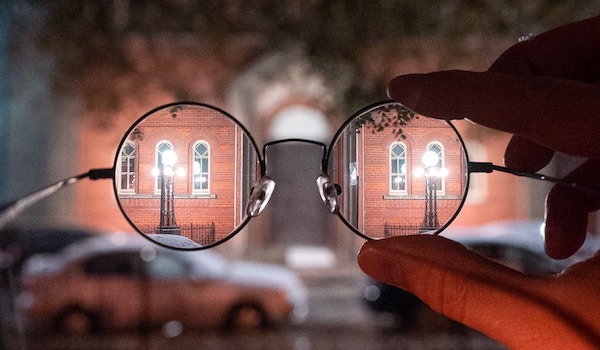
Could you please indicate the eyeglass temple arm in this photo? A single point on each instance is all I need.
(486, 167)
(10, 210)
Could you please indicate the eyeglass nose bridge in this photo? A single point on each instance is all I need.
(261, 193)
(262, 190)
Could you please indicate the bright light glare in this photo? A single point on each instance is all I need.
(419, 172)
(169, 158)
(443, 172)
(168, 171)
(430, 159)
(302, 122)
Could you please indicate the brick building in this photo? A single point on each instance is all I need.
(199, 191)
(399, 181)
(257, 98)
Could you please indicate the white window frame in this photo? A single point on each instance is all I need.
(129, 158)
(207, 159)
(393, 159)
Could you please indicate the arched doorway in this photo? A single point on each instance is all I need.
(285, 95)
(298, 215)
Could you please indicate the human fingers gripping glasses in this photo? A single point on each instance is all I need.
(524, 87)
(550, 105)
(521, 311)
(514, 96)
(574, 49)
(567, 211)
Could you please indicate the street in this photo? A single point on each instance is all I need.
(337, 320)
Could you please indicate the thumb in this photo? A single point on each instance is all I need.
(469, 288)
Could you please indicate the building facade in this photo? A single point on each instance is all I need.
(183, 169)
(400, 179)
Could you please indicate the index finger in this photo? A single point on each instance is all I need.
(557, 113)
(570, 51)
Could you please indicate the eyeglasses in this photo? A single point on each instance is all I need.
(190, 176)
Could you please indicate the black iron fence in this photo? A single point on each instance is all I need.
(392, 230)
(203, 234)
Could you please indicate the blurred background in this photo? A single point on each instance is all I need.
(76, 75)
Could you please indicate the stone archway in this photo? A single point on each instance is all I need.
(300, 121)
(287, 94)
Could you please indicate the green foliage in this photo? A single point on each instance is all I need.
(90, 36)
(386, 118)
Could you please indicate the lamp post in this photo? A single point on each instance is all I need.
(167, 194)
(431, 171)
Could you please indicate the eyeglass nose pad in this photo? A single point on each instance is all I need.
(260, 194)
(329, 192)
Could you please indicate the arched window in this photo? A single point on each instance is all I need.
(437, 171)
(201, 167)
(126, 177)
(397, 168)
(161, 147)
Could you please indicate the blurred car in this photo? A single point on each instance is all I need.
(122, 281)
(516, 244)
(17, 245)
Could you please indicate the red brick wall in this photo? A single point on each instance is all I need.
(204, 76)
(375, 204)
(182, 129)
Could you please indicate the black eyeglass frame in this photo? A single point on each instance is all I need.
(10, 210)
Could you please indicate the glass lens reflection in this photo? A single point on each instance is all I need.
(183, 175)
(400, 173)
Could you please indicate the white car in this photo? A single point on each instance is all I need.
(122, 281)
(525, 235)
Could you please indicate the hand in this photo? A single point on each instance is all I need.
(545, 91)
(522, 312)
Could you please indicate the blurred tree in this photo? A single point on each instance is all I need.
(90, 35)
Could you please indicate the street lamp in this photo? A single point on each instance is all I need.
(167, 194)
(431, 172)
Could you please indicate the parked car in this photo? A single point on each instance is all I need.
(516, 244)
(17, 245)
(122, 281)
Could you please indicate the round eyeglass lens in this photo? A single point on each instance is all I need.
(183, 173)
(400, 173)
